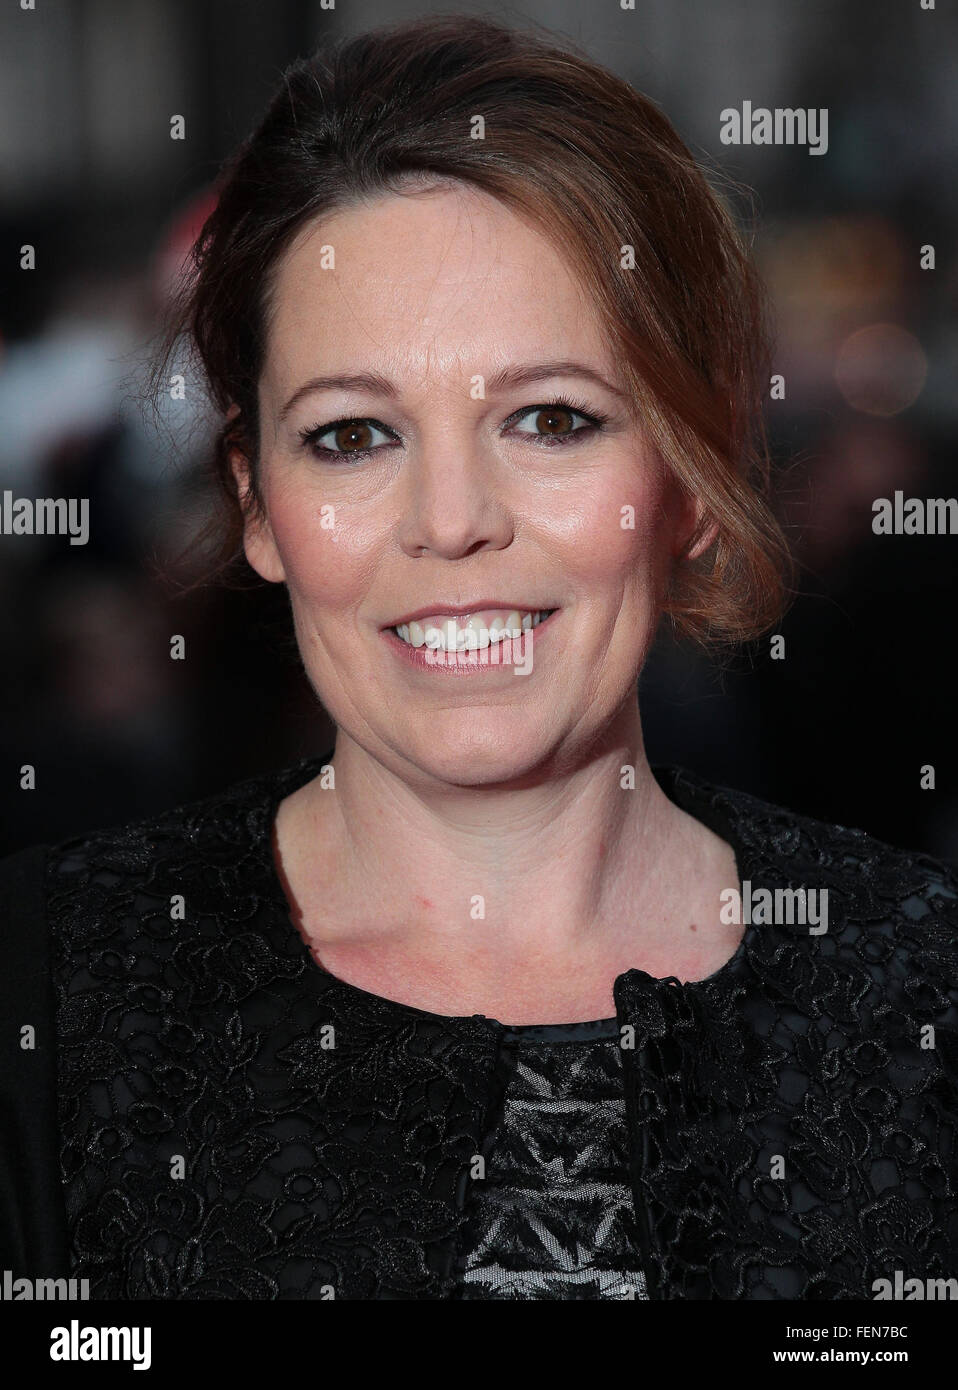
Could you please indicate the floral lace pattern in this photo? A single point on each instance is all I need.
(237, 1123)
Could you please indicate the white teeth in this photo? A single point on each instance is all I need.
(470, 635)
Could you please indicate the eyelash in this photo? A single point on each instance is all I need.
(596, 421)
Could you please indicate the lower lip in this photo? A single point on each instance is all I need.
(472, 663)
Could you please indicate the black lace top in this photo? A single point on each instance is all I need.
(192, 1109)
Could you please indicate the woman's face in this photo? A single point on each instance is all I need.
(448, 489)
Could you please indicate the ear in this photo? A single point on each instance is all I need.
(259, 544)
(690, 511)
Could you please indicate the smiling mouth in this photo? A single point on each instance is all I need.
(477, 632)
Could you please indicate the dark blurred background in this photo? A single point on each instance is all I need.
(867, 344)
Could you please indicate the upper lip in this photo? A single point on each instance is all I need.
(462, 610)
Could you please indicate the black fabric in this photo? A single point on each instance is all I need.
(33, 1230)
(314, 1170)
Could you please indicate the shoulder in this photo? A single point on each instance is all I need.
(110, 879)
(887, 906)
(770, 833)
(223, 822)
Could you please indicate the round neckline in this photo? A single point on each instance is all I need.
(698, 797)
(588, 1031)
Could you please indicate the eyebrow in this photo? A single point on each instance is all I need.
(520, 374)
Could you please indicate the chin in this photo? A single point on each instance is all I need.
(474, 757)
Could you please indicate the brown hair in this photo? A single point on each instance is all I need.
(597, 168)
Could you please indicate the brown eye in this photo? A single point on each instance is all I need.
(347, 439)
(352, 436)
(555, 420)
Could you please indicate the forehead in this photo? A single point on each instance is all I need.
(435, 284)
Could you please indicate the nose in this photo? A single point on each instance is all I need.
(454, 501)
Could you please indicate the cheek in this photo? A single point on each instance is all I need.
(329, 553)
(616, 532)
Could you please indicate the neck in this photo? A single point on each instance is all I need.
(563, 862)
